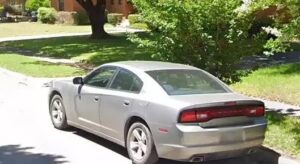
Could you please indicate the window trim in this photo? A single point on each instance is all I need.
(128, 91)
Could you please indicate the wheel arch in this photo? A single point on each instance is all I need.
(52, 94)
(132, 120)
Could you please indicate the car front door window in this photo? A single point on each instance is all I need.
(101, 77)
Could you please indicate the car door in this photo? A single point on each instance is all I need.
(117, 102)
(88, 98)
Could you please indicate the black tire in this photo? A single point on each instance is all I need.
(150, 157)
(62, 124)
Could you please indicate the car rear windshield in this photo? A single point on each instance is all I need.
(185, 82)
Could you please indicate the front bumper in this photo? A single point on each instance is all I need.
(213, 143)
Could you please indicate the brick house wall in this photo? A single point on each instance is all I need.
(2, 2)
(64, 5)
(113, 6)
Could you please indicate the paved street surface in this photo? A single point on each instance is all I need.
(27, 135)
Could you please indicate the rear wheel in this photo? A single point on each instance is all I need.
(57, 113)
(140, 145)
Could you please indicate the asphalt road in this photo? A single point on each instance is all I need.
(28, 137)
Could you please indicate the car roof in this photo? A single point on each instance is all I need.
(150, 65)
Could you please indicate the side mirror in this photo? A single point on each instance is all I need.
(78, 80)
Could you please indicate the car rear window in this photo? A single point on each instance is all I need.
(184, 82)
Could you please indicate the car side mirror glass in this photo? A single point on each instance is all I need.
(78, 80)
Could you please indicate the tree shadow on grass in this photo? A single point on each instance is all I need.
(280, 113)
(261, 61)
(292, 69)
(15, 154)
(288, 123)
(89, 51)
(80, 66)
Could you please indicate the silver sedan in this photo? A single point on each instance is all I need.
(160, 110)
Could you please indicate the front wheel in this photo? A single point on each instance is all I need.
(140, 145)
(58, 113)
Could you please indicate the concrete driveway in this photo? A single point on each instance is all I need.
(28, 137)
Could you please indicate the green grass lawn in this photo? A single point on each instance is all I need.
(35, 68)
(83, 49)
(281, 83)
(33, 28)
(283, 133)
(30, 29)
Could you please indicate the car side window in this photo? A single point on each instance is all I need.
(101, 77)
(127, 81)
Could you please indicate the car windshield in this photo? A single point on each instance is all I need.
(185, 82)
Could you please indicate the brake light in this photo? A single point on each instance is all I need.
(206, 114)
(188, 116)
(258, 111)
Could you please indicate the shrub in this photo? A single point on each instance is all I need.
(83, 18)
(47, 15)
(114, 18)
(65, 17)
(135, 18)
(34, 5)
(209, 34)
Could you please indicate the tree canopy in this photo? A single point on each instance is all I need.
(215, 34)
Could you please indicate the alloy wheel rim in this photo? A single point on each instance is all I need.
(57, 112)
(138, 144)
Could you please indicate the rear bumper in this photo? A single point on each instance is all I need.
(182, 153)
(213, 143)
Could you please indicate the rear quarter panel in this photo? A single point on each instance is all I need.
(162, 118)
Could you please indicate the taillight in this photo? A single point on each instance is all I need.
(188, 116)
(206, 114)
(258, 111)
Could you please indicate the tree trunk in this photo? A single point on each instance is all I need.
(97, 19)
(97, 16)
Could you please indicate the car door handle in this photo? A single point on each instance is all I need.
(96, 98)
(126, 103)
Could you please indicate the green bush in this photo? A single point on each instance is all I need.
(135, 18)
(47, 15)
(83, 18)
(34, 5)
(114, 18)
(213, 35)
